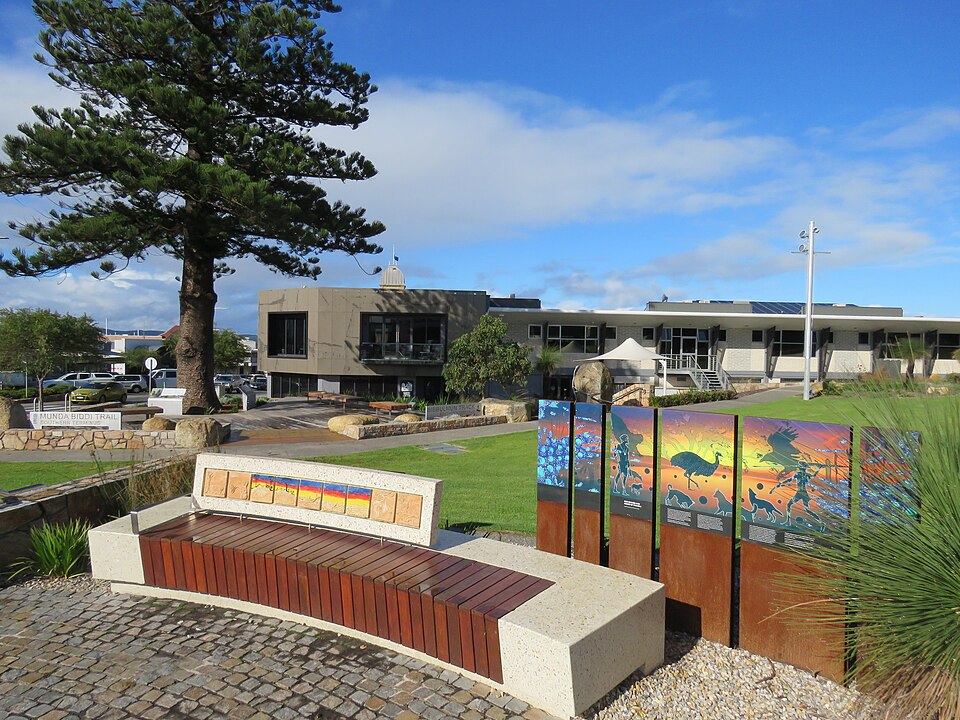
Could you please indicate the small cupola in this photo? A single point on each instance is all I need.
(392, 277)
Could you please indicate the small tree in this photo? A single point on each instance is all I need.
(547, 362)
(229, 350)
(909, 349)
(135, 357)
(483, 356)
(41, 341)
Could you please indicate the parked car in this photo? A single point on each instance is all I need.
(79, 378)
(133, 383)
(164, 378)
(229, 383)
(98, 392)
(258, 382)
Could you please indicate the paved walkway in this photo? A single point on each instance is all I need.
(71, 649)
(764, 396)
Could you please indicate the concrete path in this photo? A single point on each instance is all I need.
(70, 649)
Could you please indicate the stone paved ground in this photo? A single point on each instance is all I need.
(72, 649)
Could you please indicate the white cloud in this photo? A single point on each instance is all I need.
(910, 129)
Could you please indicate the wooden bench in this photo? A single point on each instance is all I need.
(146, 411)
(389, 407)
(359, 552)
(335, 398)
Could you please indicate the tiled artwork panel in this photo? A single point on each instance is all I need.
(371, 503)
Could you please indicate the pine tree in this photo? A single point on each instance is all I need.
(191, 138)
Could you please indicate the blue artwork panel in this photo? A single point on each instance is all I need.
(887, 489)
(588, 447)
(553, 443)
(632, 444)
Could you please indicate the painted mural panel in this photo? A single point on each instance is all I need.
(887, 489)
(697, 461)
(796, 481)
(632, 445)
(553, 443)
(588, 447)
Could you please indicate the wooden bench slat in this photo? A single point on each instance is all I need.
(443, 605)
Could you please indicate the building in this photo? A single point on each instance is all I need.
(386, 340)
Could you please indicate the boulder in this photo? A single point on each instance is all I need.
(407, 418)
(592, 382)
(338, 423)
(515, 410)
(157, 424)
(12, 415)
(199, 432)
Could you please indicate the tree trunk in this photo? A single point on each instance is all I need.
(195, 348)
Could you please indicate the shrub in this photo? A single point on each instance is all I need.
(900, 578)
(155, 485)
(832, 387)
(691, 397)
(56, 551)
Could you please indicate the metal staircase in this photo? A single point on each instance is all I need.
(711, 377)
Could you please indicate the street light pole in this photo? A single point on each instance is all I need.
(809, 234)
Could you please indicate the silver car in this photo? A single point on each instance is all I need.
(133, 383)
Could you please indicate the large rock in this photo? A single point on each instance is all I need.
(12, 415)
(200, 432)
(157, 424)
(407, 418)
(515, 410)
(338, 423)
(592, 382)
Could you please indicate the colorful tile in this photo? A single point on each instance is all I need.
(285, 491)
(238, 485)
(215, 483)
(383, 505)
(358, 502)
(311, 494)
(261, 489)
(334, 498)
(408, 509)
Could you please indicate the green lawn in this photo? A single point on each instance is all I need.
(492, 485)
(837, 409)
(15, 475)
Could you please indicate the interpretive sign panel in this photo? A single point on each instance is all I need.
(432, 412)
(588, 485)
(554, 488)
(696, 470)
(632, 442)
(697, 460)
(70, 419)
(887, 489)
(796, 481)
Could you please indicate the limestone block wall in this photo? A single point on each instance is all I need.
(362, 432)
(70, 439)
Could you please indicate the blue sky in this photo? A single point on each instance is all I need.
(600, 155)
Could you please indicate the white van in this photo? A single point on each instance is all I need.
(164, 378)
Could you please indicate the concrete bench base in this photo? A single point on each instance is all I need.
(561, 651)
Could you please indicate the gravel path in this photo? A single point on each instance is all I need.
(72, 649)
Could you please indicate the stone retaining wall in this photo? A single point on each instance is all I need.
(91, 498)
(70, 439)
(363, 432)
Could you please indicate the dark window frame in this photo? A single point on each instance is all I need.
(574, 339)
(403, 338)
(291, 341)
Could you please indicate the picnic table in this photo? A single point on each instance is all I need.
(323, 396)
(389, 407)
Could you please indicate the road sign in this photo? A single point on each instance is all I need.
(150, 363)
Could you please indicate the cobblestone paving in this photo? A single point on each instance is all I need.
(72, 649)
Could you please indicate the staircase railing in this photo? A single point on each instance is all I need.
(690, 363)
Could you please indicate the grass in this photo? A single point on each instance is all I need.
(491, 486)
(832, 409)
(15, 475)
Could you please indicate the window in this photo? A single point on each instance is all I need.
(404, 339)
(863, 338)
(610, 333)
(574, 338)
(789, 343)
(947, 344)
(722, 335)
(287, 335)
(647, 334)
(534, 332)
(757, 336)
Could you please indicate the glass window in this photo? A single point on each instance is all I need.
(947, 344)
(534, 332)
(582, 339)
(863, 338)
(722, 335)
(789, 343)
(405, 339)
(610, 333)
(757, 336)
(287, 335)
(647, 333)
